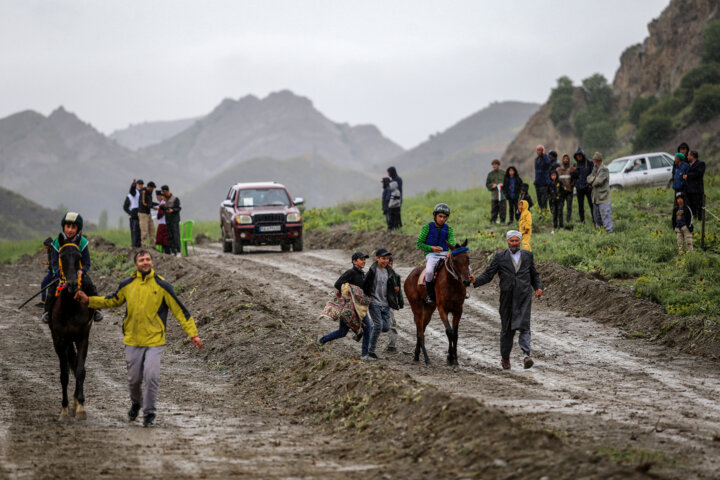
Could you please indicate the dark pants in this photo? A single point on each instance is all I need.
(135, 230)
(695, 202)
(557, 209)
(344, 329)
(45, 281)
(542, 194)
(394, 219)
(584, 193)
(173, 233)
(507, 336)
(512, 210)
(497, 206)
(87, 286)
(568, 204)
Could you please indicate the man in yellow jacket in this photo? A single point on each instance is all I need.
(148, 297)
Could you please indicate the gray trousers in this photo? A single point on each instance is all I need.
(506, 341)
(603, 215)
(143, 363)
(393, 331)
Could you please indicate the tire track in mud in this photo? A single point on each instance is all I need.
(588, 379)
(205, 427)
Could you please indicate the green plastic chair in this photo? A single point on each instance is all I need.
(186, 237)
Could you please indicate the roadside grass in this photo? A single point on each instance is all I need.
(641, 254)
(11, 251)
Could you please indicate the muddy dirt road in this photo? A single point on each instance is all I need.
(623, 399)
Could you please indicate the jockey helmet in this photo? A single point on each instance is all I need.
(441, 208)
(72, 217)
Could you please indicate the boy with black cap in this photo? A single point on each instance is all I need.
(379, 285)
(353, 276)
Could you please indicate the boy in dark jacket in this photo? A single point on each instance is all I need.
(379, 284)
(524, 195)
(682, 222)
(556, 194)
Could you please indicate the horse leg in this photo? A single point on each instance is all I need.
(79, 397)
(61, 350)
(416, 358)
(427, 315)
(449, 332)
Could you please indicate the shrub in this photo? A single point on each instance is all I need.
(598, 93)
(711, 42)
(708, 73)
(653, 131)
(669, 105)
(639, 106)
(560, 110)
(590, 115)
(599, 136)
(707, 102)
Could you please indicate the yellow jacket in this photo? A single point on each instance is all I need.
(525, 226)
(148, 301)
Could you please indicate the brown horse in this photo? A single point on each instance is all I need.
(70, 323)
(452, 279)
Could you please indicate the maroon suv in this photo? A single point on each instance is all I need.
(260, 214)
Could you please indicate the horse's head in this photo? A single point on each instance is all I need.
(461, 261)
(69, 261)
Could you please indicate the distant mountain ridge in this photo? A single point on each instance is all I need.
(21, 218)
(135, 137)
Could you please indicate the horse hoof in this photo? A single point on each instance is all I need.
(80, 413)
(73, 407)
(64, 415)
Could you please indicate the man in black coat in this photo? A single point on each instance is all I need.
(518, 279)
(695, 184)
(172, 219)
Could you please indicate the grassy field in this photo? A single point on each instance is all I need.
(641, 254)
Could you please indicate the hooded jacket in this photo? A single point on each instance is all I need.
(395, 197)
(687, 217)
(584, 168)
(394, 176)
(512, 185)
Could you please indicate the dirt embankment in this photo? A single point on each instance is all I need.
(565, 289)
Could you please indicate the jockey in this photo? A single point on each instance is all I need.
(434, 241)
(72, 224)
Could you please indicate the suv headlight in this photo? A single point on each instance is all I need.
(243, 219)
(293, 217)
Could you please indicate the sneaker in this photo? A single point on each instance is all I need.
(505, 363)
(133, 412)
(552, 232)
(528, 362)
(390, 349)
(319, 340)
(98, 316)
(373, 356)
(364, 358)
(149, 420)
(45, 317)
(40, 304)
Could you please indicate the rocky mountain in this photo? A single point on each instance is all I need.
(281, 125)
(145, 134)
(61, 160)
(318, 181)
(463, 152)
(652, 68)
(21, 218)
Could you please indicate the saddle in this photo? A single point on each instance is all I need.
(438, 266)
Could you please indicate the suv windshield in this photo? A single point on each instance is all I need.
(263, 197)
(616, 166)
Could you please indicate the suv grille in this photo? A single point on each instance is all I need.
(269, 218)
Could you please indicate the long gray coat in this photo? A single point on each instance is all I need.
(516, 288)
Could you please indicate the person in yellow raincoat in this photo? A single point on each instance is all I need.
(525, 224)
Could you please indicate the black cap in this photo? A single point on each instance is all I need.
(165, 187)
(381, 252)
(151, 184)
(358, 255)
(140, 181)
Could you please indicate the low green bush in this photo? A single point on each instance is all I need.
(654, 131)
(706, 105)
(639, 106)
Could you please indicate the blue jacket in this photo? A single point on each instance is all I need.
(437, 237)
(678, 172)
(584, 168)
(542, 170)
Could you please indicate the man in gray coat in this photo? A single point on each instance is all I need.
(599, 179)
(518, 279)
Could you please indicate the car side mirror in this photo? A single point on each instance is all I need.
(227, 203)
(299, 201)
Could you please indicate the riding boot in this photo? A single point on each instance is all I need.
(430, 289)
(48, 306)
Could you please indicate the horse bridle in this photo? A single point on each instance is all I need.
(63, 280)
(451, 269)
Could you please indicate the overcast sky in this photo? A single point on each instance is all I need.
(411, 67)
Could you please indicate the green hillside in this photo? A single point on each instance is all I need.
(640, 255)
(21, 218)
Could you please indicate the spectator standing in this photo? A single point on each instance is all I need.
(599, 180)
(525, 225)
(392, 173)
(512, 184)
(583, 168)
(565, 175)
(172, 217)
(682, 222)
(392, 344)
(524, 195)
(542, 176)
(394, 206)
(695, 184)
(684, 148)
(553, 156)
(680, 167)
(147, 228)
(161, 238)
(557, 199)
(379, 284)
(132, 202)
(494, 184)
(385, 199)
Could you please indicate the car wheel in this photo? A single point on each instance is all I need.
(237, 246)
(285, 246)
(298, 245)
(226, 244)
(615, 188)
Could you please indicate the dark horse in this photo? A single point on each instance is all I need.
(70, 323)
(452, 278)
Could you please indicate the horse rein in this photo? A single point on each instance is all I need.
(63, 281)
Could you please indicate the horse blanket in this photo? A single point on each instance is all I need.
(350, 307)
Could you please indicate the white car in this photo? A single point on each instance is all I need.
(642, 169)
